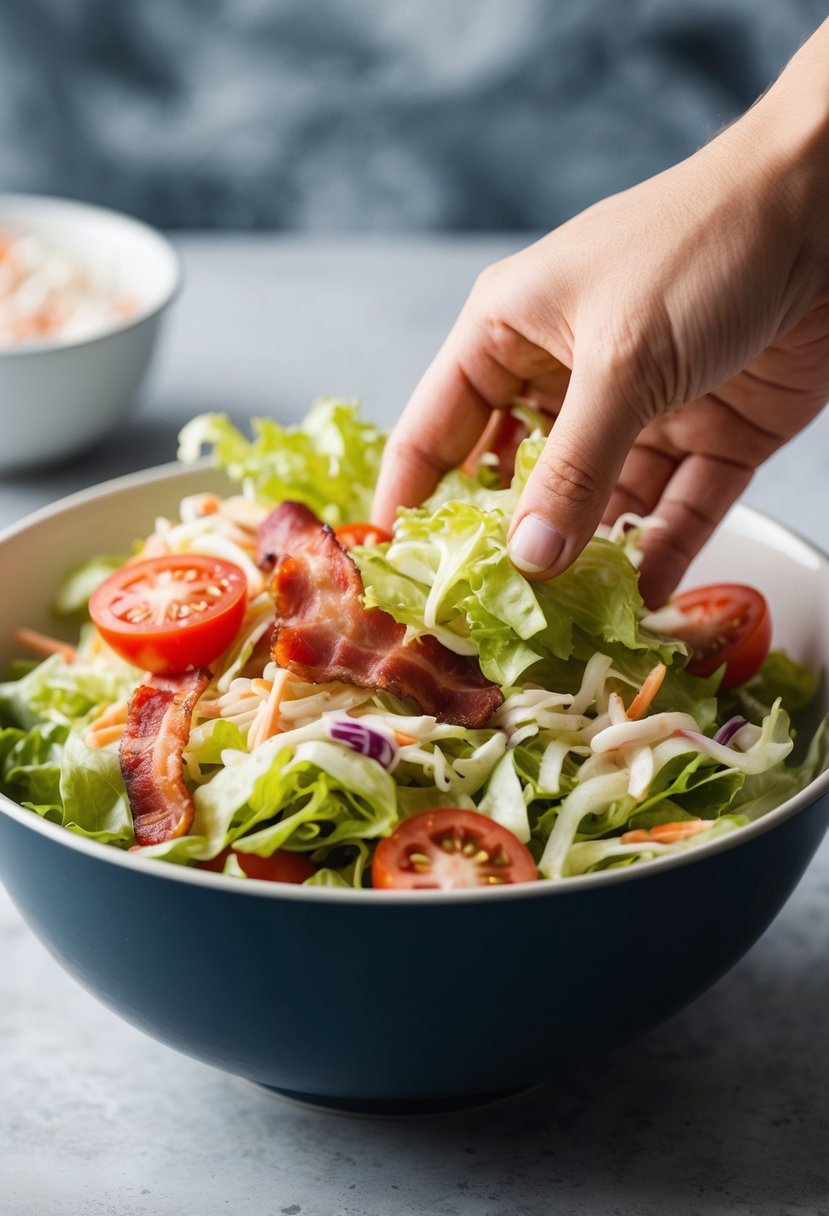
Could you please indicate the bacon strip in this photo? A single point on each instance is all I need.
(323, 632)
(157, 730)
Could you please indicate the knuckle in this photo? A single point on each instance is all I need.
(567, 478)
(495, 296)
(411, 452)
(640, 357)
(490, 278)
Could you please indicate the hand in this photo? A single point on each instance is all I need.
(678, 333)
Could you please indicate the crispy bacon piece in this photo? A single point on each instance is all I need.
(289, 528)
(324, 633)
(157, 730)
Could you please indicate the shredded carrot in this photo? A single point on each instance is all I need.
(669, 833)
(266, 722)
(109, 727)
(104, 736)
(404, 740)
(666, 833)
(209, 504)
(640, 704)
(43, 644)
(114, 715)
(639, 836)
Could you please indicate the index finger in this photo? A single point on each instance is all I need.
(448, 412)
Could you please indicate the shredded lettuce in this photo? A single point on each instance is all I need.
(447, 572)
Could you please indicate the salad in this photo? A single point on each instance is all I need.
(270, 687)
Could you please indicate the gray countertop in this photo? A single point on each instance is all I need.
(724, 1109)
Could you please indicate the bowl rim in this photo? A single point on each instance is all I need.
(54, 346)
(252, 887)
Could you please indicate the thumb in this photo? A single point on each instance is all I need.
(569, 488)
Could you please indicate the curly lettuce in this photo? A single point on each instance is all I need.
(329, 462)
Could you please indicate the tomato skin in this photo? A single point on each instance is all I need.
(448, 848)
(351, 535)
(166, 614)
(727, 623)
(281, 866)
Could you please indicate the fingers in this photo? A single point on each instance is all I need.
(438, 428)
(567, 492)
(693, 503)
(483, 364)
(644, 477)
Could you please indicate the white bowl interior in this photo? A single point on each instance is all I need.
(139, 261)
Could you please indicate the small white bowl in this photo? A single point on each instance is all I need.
(58, 397)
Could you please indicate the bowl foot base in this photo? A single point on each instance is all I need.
(390, 1108)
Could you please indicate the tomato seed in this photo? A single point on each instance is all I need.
(136, 615)
(420, 861)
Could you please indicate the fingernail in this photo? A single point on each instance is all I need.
(534, 545)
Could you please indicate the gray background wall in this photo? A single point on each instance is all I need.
(466, 114)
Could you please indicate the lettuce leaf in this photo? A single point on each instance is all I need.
(330, 462)
(781, 677)
(56, 691)
(50, 770)
(92, 793)
(31, 761)
(447, 572)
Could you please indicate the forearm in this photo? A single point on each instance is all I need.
(786, 139)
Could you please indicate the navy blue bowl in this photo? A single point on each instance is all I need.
(392, 1001)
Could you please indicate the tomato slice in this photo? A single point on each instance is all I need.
(165, 614)
(281, 866)
(449, 848)
(350, 535)
(727, 623)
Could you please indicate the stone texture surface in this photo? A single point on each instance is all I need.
(722, 1110)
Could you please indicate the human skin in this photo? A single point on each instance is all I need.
(678, 333)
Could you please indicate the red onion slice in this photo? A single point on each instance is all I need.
(729, 729)
(365, 740)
